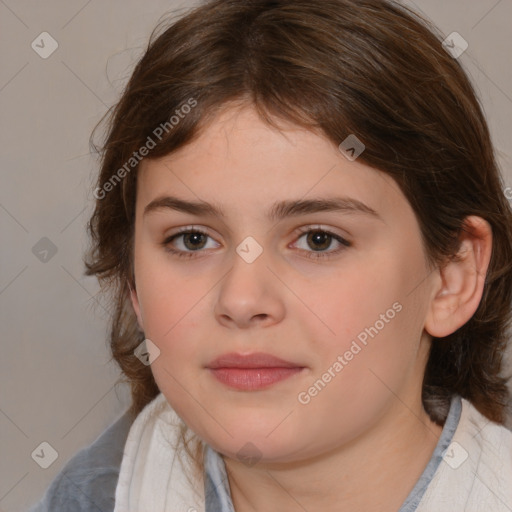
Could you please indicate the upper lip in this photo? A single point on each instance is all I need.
(256, 360)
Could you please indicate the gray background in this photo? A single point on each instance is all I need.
(57, 384)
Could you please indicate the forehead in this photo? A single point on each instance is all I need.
(238, 160)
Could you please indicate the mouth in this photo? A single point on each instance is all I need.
(252, 372)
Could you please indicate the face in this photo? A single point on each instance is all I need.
(339, 294)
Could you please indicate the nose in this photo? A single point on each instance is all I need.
(249, 295)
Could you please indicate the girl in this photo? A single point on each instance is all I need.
(301, 219)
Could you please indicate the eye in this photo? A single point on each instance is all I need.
(192, 239)
(321, 239)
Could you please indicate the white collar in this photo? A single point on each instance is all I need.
(152, 477)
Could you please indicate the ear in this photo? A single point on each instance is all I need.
(461, 283)
(136, 306)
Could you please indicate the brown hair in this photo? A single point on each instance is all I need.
(367, 67)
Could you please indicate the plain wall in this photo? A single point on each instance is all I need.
(57, 382)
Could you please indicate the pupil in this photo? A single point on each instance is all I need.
(317, 238)
(194, 238)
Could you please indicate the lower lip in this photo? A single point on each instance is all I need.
(250, 379)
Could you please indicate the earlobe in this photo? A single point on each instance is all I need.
(462, 280)
(136, 306)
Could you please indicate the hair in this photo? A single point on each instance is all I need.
(371, 68)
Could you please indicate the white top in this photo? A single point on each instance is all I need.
(470, 469)
(476, 471)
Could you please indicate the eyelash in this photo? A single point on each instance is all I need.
(311, 255)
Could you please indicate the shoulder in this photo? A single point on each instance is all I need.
(491, 440)
(88, 480)
(493, 444)
(476, 468)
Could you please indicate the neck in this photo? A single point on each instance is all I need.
(375, 471)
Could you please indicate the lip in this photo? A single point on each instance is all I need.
(255, 360)
(252, 372)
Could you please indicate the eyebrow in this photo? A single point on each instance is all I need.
(278, 211)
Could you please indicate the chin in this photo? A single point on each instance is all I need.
(248, 444)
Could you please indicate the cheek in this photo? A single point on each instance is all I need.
(170, 316)
(369, 317)
(160, 288)
(170, 305)
(352, 300)
(171, 322)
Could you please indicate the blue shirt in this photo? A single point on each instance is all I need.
(87, 483)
